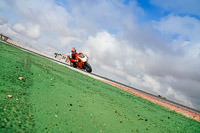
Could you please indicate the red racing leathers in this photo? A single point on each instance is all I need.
(73, 57)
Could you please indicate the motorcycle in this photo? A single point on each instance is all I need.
(82, 62)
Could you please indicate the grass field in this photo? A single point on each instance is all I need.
(53, 98)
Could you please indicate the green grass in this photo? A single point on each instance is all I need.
(62, 100)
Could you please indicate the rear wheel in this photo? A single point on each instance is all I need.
(87, 67)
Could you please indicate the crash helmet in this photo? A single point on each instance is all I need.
(73, 50)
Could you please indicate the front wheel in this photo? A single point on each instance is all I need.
(87, 67)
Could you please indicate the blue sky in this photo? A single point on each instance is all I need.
(152, 12)
(152, 45)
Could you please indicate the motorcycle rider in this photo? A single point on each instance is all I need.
(73, 55)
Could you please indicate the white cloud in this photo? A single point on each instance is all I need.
(103, 43)
(184, 46)
(30, 30)
(5, 29)
(33, 31)
(186, 28)
(19, 28)
(178, 97)
(111, 15)
(68, 40)
(146, 83)
(42, 21)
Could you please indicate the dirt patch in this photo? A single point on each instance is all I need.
(178, 109)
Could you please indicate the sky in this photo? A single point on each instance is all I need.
(152, 45)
